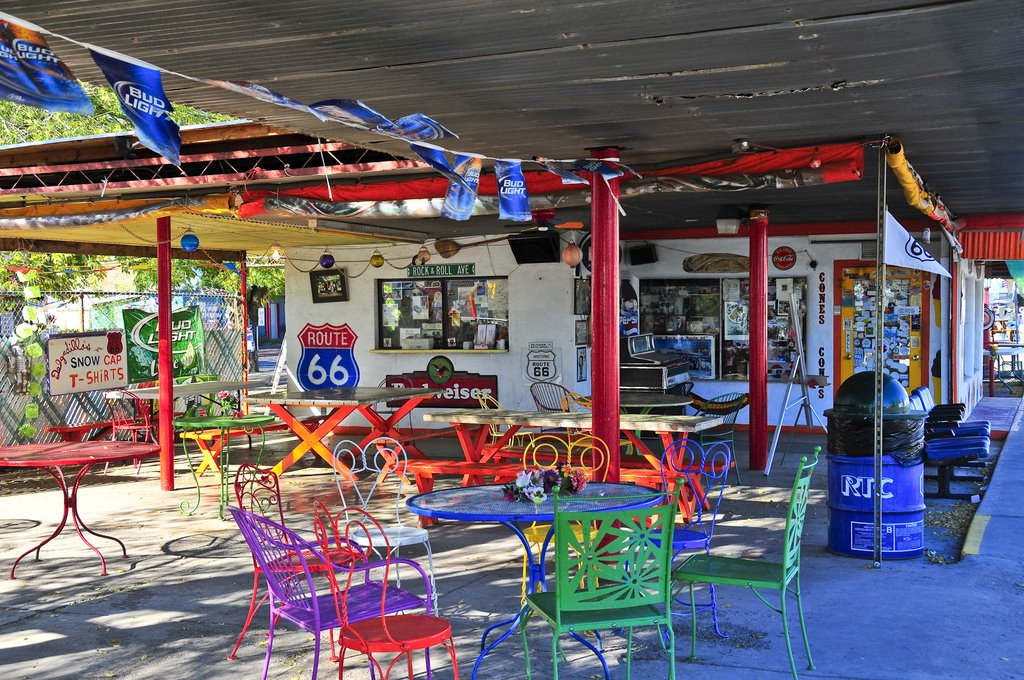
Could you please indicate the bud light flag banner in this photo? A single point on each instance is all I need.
(567, 177)
(458, 203)
(188, 343)
(263, 94)
(417, 127)
(597, 167)
(513, 201)
(142, 98)
(435, 158)
(32, 75)
(351, 112)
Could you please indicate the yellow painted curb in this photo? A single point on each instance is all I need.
(972, 542)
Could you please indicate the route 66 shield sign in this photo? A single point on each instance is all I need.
(541, 361)
(328, 358)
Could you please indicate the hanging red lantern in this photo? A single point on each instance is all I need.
(572, 255)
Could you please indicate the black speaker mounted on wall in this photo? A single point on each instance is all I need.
(644, 254)
(536, 248)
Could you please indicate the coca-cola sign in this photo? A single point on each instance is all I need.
(784, 257)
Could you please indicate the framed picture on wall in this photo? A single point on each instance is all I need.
(328, 285)
(582, 331)
(581, 299)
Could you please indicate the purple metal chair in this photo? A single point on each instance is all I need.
(281, 556)
(681, 460)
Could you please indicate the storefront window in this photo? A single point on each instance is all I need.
(711, 319)
(433, 314)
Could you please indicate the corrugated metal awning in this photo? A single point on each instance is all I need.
(992, 245)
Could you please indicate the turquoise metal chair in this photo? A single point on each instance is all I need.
(782, 576)
(614, 575)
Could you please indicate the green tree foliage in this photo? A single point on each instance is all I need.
(56, 271)
(188, 274)
(24, 124)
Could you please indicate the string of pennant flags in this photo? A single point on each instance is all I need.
(33, 75)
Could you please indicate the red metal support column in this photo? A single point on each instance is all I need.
(243, 291)
(165, 365)
(604, 225)
(758, 367)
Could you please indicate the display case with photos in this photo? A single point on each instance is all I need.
(673, 306)
(448, 314)
(720, 309)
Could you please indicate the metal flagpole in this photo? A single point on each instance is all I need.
(880, 296)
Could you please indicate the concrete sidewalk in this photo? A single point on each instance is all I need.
(175, 606)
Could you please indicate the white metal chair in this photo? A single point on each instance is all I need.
(376, 470)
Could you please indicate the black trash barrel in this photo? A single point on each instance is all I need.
(851, 475)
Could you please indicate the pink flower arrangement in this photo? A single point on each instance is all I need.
(535, 485)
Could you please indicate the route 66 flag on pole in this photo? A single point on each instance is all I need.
(903, 250)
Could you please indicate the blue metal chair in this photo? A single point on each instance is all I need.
(687, 460)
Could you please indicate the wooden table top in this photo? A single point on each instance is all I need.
(342, 396)
(634, 422)
(186, 390)
(641, 399)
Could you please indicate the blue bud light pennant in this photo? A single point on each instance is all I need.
(265, 94)
(141, 93)
(31, 74)
(417, 127)
(435, 158)
(458, 203)
(513, 201)
(567, 177)
(352, 112)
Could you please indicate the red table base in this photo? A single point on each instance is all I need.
(71, 508)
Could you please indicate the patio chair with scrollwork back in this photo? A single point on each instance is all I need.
(379, 470)
(704, 473)
(728, 406)
(549, 452)
(496, 431)
(280, 555)
(783, 576)
(549, 396)
(612, 574)
(130, 420)
(258, 490)
(367, 623)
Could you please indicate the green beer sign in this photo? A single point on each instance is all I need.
(187, 343)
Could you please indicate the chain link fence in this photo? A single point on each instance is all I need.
(82, 311)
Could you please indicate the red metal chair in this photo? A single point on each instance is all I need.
(386, 633)
(130, 420)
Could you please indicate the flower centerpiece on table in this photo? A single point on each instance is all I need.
(227, 403)
(535, 485)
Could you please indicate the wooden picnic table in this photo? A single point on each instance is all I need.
(340, 403)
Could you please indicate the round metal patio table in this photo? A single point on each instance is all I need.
(486, 503)
(53, 458)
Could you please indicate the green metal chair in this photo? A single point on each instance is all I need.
(616, 575)
(728, 406)
(781, 576)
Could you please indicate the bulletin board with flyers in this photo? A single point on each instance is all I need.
(906, 322)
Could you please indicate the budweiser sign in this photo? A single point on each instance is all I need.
(784, 257)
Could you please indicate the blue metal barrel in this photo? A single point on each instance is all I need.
(851, 482)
